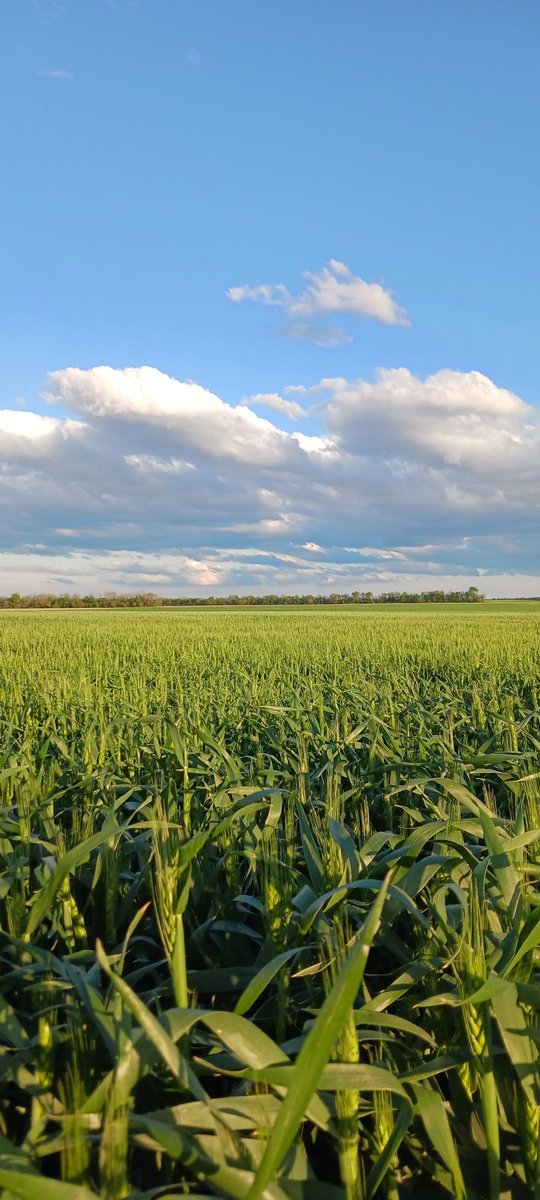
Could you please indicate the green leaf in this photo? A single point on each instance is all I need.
(330, 899)
(68, 863)
(346, 844)
(382, 1163)
(505, 872)
(30, 1186)
(529, 938)
(213, 1170)
(244, 1039)
(242, 1112)
(310, 851)
(384, 1020)
(334, 1077)
(154, 1030)
(520, 1047)
(318, 1047)
(261, 980)
(11, 1029)
(245, 808)
(437, 1126)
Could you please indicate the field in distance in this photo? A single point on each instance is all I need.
(482, 606)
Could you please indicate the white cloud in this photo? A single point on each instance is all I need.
(263, 293)
(146, 475)
(330, 384)
(150, 463)
(374, 552)
(290, 408)
(32, 425)
(333, 289)
(336, 289)
(170, 573)
(314, 445)
(448, 421)
(173, 413)
(193, 57)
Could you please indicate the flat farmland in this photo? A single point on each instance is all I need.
(269, 908)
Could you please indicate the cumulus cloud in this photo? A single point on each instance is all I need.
(448, 421)
(334, 289)
(147, 479)
(31, 425)
(171, 412)
(314, 444)
(290, 408)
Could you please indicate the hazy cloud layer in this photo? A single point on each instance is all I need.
(149, 482)
(334, 289)
(58, 73)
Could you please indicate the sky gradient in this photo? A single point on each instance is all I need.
(270, 294)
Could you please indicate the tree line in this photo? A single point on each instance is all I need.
(149, 600)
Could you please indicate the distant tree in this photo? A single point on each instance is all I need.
(150, 600)
(472, 595)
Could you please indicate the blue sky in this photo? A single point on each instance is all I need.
(178, 176)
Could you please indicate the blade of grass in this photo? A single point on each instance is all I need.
(317, 1048)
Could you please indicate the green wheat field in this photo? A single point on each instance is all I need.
(269, 904)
